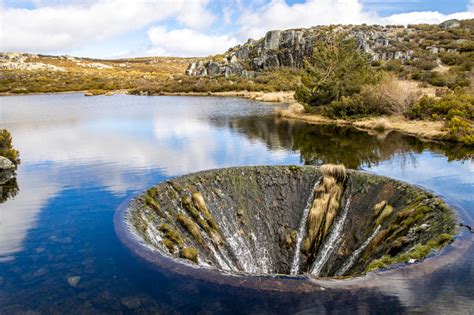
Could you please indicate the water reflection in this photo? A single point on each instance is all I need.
(82, 157)
(8, 189)
(354, 148)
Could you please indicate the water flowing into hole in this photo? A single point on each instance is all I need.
(332, 242)
(350, 262)
(260, 220)
(295, 265)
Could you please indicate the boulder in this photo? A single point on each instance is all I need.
(272, 40)
(450, 24)
(6, 164)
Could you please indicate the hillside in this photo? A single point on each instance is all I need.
(30, 73)
(440, 55)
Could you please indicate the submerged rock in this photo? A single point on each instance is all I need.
(324, 221)
(73, 281)
(131, 302)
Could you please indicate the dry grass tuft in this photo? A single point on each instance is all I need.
(325, 205)
(378, 208)
(338, 172)
(189, 253)
(191, 227)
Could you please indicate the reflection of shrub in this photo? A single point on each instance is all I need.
(6, 147)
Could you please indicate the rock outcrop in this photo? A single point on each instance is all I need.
(289, 48)
(7, 170)
(17, 61)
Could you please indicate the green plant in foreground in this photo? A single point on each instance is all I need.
(6, 147)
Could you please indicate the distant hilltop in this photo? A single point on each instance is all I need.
(289, 48)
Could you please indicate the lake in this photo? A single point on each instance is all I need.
(82, 157)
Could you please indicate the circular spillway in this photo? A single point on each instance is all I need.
(285, 220)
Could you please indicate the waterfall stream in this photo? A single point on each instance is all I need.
(295, 265)
(348, 264)
(331, 242)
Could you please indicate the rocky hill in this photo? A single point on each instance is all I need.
(289, 48)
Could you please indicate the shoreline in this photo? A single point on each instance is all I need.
(423, 129)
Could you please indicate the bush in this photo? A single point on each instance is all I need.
(451, 79)
(461, 129)
(456, 109)
(390, 96)
(6, 147)
(336, 70)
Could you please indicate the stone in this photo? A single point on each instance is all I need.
(213, 68)
(73, 281)
(6, 164)
(272, 40)
(131, 302)
(450, 24)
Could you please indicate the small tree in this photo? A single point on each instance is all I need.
(6, 147)
(337, 68)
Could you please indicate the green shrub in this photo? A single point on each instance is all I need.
(462, 130)
(6, 147)
(337, 69)
(456, 109)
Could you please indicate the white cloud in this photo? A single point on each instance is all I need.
(63, 27)
(280, 15)
(430, 17)
(187, 42)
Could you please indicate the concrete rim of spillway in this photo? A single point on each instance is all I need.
(299, 283)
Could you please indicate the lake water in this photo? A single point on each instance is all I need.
(83, 156)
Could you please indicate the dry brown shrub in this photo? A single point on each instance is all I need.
(391, 95)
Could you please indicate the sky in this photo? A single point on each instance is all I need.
(190, 28)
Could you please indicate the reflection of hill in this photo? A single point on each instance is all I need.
(333, 144)
(8, 190)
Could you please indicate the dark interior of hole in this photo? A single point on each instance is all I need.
(251, 219)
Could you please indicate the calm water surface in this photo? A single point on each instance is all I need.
(82, 157)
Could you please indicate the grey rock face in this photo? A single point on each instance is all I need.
(272, 40)
(289, 48)
(450, 24)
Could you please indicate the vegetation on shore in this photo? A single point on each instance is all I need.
(338, 82)
(6, 147)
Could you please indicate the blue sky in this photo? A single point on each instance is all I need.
(122, 28)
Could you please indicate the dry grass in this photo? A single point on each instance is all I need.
(387, 210)
(189, 253)
(325, 205)
(378, 207)
(338, 172)
(191, 227)
(391, 95)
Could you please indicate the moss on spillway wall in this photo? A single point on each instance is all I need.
(291, 220)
